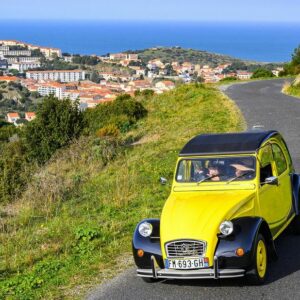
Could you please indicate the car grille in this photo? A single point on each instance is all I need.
(185, 248)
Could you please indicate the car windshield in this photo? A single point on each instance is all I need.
(216, 169)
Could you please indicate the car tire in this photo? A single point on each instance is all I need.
(296, 225)
(258, 274)
(149, 279)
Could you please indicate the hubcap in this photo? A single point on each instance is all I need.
(261, 258)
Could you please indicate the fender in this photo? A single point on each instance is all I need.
(150, 245)
(245, 232)
(296, 187)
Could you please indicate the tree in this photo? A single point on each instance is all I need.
(57, 123)
(261, 73)
(95, 77)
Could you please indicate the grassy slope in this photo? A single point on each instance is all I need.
(82, 217)
(292, 89)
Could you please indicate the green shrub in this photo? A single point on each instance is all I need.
(261, 73)
(123, 112)
(230, 78)
(57, 123)
(15, 171)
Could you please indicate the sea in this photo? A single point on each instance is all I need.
(263, 42)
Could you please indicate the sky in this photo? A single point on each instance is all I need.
(153, 10)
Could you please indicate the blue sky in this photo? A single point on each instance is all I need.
(193, 10)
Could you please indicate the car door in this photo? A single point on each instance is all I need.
(269, 198)
(284, 180)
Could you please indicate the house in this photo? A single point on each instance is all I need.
(277, 71)
(29, 116)
(165, 85)
(118, 56)
(8, 78)
(140, 84)
(12, 117)
(243, 75)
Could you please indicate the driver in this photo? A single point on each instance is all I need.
(241, 169)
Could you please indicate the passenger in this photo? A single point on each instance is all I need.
(199, 173)
(214, 171)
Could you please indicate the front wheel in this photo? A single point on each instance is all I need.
(260, 264)
(149, 279)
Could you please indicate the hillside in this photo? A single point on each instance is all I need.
(72, 226)
(168, 55)
(14, 97)
(293, 89)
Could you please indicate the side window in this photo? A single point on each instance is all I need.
(266, 158)
(279, 158)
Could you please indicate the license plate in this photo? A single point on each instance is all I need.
(186, 264)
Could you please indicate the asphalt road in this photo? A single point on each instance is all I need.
(262, 103)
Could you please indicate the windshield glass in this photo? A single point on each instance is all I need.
(216, 169)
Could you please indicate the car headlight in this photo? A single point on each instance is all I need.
(226, 227)
(145, 229)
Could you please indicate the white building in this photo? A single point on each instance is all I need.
(15, 59)
(12, 117)
(53, 88)
(243, 75)
(57, 75)
(15, 52)
(24, 66)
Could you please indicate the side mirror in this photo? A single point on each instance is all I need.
(163, 180)
(273, 180)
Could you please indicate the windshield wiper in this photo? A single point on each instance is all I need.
(239, 176)
(207, 178)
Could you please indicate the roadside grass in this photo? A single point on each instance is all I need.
(291, 89)
(72, 228)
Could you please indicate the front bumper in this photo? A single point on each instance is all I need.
(209, 273)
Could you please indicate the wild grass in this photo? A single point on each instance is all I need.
(73, 226)
(292, 89)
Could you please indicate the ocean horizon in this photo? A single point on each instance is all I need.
(262, 42)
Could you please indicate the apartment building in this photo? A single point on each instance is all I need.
(15, 52)
(15, 59)
(24, 66)
(57, 75)
(51, 88)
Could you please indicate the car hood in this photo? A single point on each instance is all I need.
(197, 215)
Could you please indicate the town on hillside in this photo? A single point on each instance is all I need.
(95, 79)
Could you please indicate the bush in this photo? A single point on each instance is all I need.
(123, 113)
(230, 78)
(14, 170)
(57, 123)
(261, 73)
(109, 130)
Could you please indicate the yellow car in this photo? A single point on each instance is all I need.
(232, 196)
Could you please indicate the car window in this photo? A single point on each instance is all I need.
(216, 169)
(279, 158)
(266, 158)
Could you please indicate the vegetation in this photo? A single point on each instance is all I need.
(229, 79)
(73, 223)
(168, 55)
(293, 89)
(85, 60)
(262, 73)
(293, 67)
(55, 64)
(14, 97)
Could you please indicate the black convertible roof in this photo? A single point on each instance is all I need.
(244, 142)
